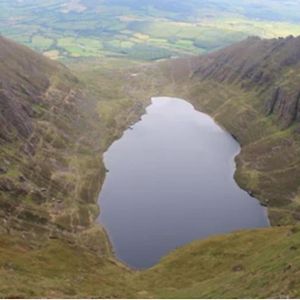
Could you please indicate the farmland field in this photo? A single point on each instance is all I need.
(142, 30)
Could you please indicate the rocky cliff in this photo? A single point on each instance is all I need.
(50, 162)
(268, 66)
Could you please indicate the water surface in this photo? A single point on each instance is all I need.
(170, 182)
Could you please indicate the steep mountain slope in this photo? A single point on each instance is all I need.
(50, 156)
(269, 66)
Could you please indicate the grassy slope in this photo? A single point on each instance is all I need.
(59, 270)
(251, 264)
(261, 263)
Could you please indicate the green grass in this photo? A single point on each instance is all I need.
(262, 263)
(80, 47)
(40, 42)
(251, 264)
(59, 270)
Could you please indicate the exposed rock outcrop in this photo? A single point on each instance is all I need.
(261, 65)
(48, 129)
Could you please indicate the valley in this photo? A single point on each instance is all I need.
(57, 121)
(267, 267)
(142, 30)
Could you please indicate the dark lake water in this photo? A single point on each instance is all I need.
(170, 182)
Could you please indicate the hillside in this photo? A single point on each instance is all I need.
(57, 125)
(52, 140)
(43, 119)
(251, 264)
(51, 144)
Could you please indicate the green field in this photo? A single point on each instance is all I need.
(142, 30)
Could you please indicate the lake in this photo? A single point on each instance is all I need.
(170, 182)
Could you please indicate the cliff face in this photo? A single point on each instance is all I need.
(284, 104)
(267, 66)
(23, 80)
(47, 139)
